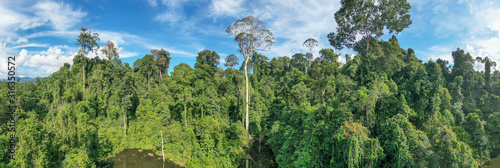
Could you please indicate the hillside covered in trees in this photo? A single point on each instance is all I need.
(383, 108)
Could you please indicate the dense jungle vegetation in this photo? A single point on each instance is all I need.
(383, 108)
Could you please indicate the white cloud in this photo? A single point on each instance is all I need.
(118, 37)
(484, 41)
(3, 60)
(40, 64)
(152, 3)
(295, 21)
(173, 3)
(440, 49)
(119, 50)
(226, 7)
(12, 20)
(62, 16)
(174, 10)
(169, 3)
(472, 25)
(21, 40)
(53, 57)
(169, 16)
(436, 52)
(291, 21)
(31, 45)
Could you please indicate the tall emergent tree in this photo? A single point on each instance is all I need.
(368, 18)
(162, 60)
(488, 63)
(87, 41)
(109, 50)
(251, 35)
(231, 61)
(310, 43)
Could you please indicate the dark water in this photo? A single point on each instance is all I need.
(132, 158)
(262, 159)
(495, 159)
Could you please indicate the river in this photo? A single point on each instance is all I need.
(137, 158)
(495, 159)
(262, 158)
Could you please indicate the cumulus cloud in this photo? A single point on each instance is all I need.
(485, 39)
(62, 16)
(54, 57)
(42, 63)
(472, 25)
(3, 60)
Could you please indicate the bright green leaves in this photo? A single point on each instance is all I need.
(145, 110)
(162, 60)
(492, 127)
(78, 158)
(206, 64)
(300, 95)
(88, 41)
(299, 62)
(33, 144)
(477, 139)
(329, 55)
(368, 18)
(462, 65)
(353, 148)
(449, 152)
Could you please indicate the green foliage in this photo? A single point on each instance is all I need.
(477, 136)
(368, 18)
(492, 127)
(353, 148)
(87, 41)
(382, 109)
(449, 152)
(78, 158)
(231, 61)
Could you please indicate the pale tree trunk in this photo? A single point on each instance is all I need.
(367, 45)
(247, 99)
(160, 74)
(201, 111)
(239, 96)
(162, 153)
(367, 41)
(309, 61)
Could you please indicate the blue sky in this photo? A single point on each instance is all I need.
(42, 34)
